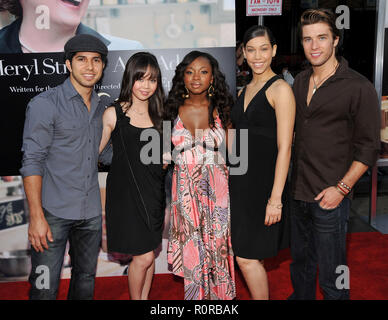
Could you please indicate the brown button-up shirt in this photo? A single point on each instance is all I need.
(340, 125)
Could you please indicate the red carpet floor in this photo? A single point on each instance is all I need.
(367, 260)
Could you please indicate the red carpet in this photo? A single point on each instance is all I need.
(367, 260)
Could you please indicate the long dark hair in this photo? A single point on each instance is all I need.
(221, 100)
(135, 69)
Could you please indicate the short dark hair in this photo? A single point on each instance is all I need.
(258, 31)
(313, 16)
(12, 6)
(71, 55)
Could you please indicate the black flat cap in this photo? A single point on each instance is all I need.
(85, 43)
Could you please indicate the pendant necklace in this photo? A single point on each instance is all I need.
(139, 113)
(316, 86)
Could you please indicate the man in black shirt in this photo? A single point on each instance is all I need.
(336, 140)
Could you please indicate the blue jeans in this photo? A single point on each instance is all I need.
(318, 238)
(85, 239)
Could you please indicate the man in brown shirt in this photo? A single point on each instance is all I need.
(336, 140)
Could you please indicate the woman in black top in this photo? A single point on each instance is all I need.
(266, 108)
(135, 187)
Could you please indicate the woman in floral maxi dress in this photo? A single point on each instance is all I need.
(199, 246)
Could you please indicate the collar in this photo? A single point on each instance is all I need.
(71, 92)
(9, 38)
(69, 89)
(341, 73)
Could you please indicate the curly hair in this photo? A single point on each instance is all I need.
(12, 6)
(221, 100)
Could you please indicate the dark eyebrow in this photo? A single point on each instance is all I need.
(319, 35)
(190, 68)
(265, 44)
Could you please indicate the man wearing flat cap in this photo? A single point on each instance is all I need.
(62, 132)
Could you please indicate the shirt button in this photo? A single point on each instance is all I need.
(306, 121)
(88, 158)
(90, 140)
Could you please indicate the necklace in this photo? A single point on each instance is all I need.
(316, 86)
(139, 113)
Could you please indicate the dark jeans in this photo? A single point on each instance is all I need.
(85, 239)
(318, 237)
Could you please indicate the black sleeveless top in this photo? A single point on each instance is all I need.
(135, 191)
(250, 192)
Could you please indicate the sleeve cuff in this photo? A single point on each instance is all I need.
(367, 156)
(31, 171)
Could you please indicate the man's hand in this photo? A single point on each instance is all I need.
(38, 230)
(330, 198)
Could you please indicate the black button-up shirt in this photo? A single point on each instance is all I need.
(341, 125)
(60, 143)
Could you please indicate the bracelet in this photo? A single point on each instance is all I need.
(340, 191)
(277, 206)
(344, 185)
(343, 188)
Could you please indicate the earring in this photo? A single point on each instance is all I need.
(210, 90)
(185, 95)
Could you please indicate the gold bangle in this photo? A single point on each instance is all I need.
(277, 206)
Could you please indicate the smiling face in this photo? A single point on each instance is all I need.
(144, 87)
(318, 43)
(259, 53)
(85, 69)
(198, 76)
(62, 12)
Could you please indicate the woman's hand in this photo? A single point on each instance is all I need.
(273, 213)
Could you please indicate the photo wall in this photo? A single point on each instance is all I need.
(31, 64)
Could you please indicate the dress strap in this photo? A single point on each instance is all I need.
(270, 82)
(242, 91)
(119, 110)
